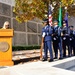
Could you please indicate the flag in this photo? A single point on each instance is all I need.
(66, 19)
(50, 8)
(60, 17)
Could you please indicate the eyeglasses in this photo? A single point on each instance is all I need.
(6, 25)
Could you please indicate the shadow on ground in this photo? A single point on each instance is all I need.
(26, 60)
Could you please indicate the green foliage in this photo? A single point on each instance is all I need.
(29, 9)
(18, 48)
(26, 10)
(64, 3)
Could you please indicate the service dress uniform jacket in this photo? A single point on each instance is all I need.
(48, 31)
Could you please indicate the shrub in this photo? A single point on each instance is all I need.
(18, 48)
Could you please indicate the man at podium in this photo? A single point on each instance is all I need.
(6, 35)
(6, 25)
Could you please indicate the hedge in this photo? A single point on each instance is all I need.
(18, 48)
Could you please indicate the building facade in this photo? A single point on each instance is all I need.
(24, 33)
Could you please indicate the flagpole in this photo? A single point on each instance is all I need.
(60, 16)
(65, 9)
(50, 10)
(66, 16)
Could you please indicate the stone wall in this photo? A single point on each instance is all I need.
(72, 21)
(24, 33)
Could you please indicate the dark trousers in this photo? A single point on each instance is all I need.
(57, 44)
(72, 47)
(55, 47)
(66, 43)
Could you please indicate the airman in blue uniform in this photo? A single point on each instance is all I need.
(74, 43)
(72, 40)
(65, 40)
(47, 32)
(57, 41)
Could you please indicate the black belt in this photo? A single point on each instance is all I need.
(48, 35)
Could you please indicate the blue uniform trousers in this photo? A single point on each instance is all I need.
(60, 47)
(48, 45)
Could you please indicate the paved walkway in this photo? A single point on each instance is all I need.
(20, 57)
(38, 68)
(17, 55)
(25, 56)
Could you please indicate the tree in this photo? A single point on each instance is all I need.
(64, 3)
(29, 9)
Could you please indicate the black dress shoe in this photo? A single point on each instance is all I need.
(44, 59)
(60, 58)
(64, 56)
(51, 60)
(69, 55)
(55, 57)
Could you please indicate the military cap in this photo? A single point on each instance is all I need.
(45, 20)
(71, 26)
(55, 21)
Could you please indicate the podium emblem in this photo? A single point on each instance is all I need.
(4, 46)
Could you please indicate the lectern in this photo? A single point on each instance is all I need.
(6, 47)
